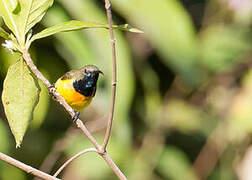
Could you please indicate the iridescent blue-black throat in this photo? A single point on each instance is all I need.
(87, 85)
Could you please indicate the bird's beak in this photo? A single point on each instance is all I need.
(100, 72)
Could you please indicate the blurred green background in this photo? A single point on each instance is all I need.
(184, 99)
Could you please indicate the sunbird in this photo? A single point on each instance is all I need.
(78, 87)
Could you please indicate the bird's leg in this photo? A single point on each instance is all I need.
(76, 116)
(52, 91)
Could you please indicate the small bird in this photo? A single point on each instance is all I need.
(78, 87)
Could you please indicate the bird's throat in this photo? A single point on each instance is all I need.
(86, 86)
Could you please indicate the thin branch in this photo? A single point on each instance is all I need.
(73, 158)
(26, 168)
(58, 97)
(78, 122)
(115, 168)
(114, 78)
(100, 149)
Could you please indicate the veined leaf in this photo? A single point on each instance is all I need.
(6, 11)
(42, 107)
(4, 34)
(37, 11)
(21, 15)
(15, 6)
(77, 25)
(20, 96)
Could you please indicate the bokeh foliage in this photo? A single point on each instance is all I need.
(188, 74)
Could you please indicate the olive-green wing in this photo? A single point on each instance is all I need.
(68, 75)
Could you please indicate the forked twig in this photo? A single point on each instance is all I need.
(73, 158)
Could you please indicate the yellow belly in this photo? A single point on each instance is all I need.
(76, 100)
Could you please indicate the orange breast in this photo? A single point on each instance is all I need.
(74, 96)
(76, 100)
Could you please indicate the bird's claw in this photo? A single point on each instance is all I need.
(76, 116)
(52, 90)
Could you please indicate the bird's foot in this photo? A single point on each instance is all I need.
(52, 90)
(76, 116)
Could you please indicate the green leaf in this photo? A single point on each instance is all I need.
(127, 27)
(4, 34)
(77, 25)
(6, 11)
(42, 107)
(20, 16)
(12, 59)
(20, 96)
(37, 11)
(68, 43)
(14, 4)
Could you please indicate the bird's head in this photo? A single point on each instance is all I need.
(86, 79)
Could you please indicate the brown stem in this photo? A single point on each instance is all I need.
(114, 78)
(100, 149)
(73, 158)
(26, 168)
(115, 168)
(58, 97)
(78, 122)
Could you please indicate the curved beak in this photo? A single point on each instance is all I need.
(100, 72)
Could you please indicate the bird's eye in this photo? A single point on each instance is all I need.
(85, 71)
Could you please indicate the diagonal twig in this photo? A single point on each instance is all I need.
(78, 122)
(99, 149)
(58, 97)
(26, 168)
